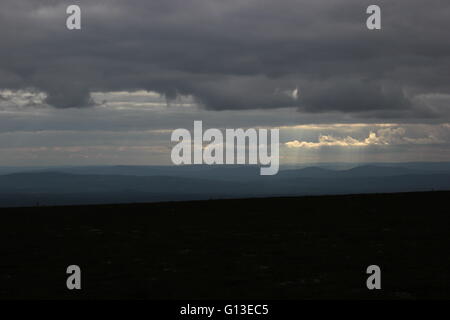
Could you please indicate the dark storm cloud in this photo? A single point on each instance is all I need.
(234, 54)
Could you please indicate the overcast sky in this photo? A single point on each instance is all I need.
(112, 92)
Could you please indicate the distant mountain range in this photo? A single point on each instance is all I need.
(122, 184)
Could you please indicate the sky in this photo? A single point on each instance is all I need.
(112, 92)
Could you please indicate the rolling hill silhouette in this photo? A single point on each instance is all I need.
(149, 184)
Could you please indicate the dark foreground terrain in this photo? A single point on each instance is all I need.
(279, 248)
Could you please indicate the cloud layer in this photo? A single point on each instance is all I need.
(316, 56)
(383, 137)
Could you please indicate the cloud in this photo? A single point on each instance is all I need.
(21, 98)
(316, 56)
(326, 141)
(113, 133)
(383, 137)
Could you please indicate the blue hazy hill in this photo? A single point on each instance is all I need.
(122, 184)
